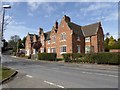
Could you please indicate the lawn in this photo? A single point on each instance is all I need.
(5, 72)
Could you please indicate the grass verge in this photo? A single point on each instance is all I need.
(5, 72)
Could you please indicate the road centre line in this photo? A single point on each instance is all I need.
(29, 76)
(100, 74)
(54, 84)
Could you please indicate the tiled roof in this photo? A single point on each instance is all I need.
(90, 30)
(47, 35)
(76, 28)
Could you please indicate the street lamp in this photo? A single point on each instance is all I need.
(4, 7)
(2, 28)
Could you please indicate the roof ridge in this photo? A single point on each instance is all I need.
(75, 24)
(91, 24)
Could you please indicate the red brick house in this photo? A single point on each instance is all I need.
(67, 37)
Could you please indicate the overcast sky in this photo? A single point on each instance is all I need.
(29, 16)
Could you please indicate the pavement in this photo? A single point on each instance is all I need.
(41, 74)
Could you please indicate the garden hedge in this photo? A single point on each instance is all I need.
(99, 58)
(47, 56)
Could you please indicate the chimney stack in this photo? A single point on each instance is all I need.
(40, 31)
(66, 18)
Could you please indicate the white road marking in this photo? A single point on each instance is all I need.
(53, 84)
(29, 76)
(100, 74)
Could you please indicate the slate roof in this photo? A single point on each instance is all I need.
(32, 35)
(76, 28)
(47, 35)
(90, 30)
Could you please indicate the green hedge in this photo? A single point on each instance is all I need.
(72, 57)
(47, 56)
(99, 58)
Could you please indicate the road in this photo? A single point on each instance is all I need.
(36, 74)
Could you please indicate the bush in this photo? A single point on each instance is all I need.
(99, 58)
(72, 57)
(47, 56)
(59, 59)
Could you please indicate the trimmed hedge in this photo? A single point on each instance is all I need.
(72, 57)
(99, 58)
(47, 56)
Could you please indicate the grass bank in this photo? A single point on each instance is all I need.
(5, 72)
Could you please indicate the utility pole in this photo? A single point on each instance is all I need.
(2, 26)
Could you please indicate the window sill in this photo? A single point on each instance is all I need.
(63, 52)
(62, 40)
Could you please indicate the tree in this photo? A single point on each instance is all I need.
(12, 43)
(112, 41)
(23, 41)
(5, 44)
(15, 38)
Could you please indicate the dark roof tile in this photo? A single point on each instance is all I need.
(90, 30)
(76, 28)
(47, 35)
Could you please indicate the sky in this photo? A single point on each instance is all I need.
(27, 17)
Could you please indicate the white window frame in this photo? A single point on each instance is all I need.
(63, 49)
(48, 50)
(87, 39)
(42, 50)
(53, 39)
(53, 50)
(63, 36)
(78, 49)
(87, 50)
(48, 41)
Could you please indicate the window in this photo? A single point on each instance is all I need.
(34, 51)
(42, 50)
(63, 49)
(48, 41)
(48, 50)
(63, 36)
(87, 39)
(78, 38)
(78, 48)
(87, 49)
(53, 38)
(53, 50)
(42, 41)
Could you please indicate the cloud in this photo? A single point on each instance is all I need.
(34, 5)
(17, 28)
(96, 6)
(111, 17)
(60, 0)
(48, 8)
(40, 7)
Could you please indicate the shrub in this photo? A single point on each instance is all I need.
(67, 57)
(59, 59)
(47, 56)
(72, 57)
(99, 58)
